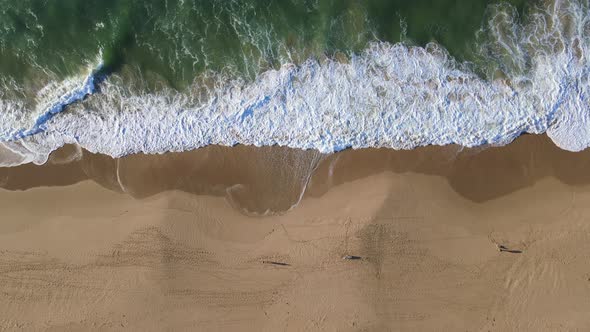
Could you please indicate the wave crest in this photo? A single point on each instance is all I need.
(394, 96)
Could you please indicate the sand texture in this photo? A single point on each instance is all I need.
(254, 239)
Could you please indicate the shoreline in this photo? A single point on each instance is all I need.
(468, 240)
(279, 177)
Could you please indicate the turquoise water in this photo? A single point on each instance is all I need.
(129, 76)
(176, 40)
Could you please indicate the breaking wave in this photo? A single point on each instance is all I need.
(531, 78)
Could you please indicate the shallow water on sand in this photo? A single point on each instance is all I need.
(273, 180)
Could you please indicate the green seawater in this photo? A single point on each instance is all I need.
(177, 40)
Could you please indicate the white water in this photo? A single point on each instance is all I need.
(389, 96)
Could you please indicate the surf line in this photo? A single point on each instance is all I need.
(88, 87)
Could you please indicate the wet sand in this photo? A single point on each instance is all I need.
(246, 238)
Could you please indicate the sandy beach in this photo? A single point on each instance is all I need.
(277, 239)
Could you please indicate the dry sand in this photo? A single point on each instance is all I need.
(178, 241)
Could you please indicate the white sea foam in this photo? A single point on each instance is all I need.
(393, 96)
(20, 120)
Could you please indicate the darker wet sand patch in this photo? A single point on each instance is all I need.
(262, 180)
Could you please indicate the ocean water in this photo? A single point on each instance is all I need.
(128, 76)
